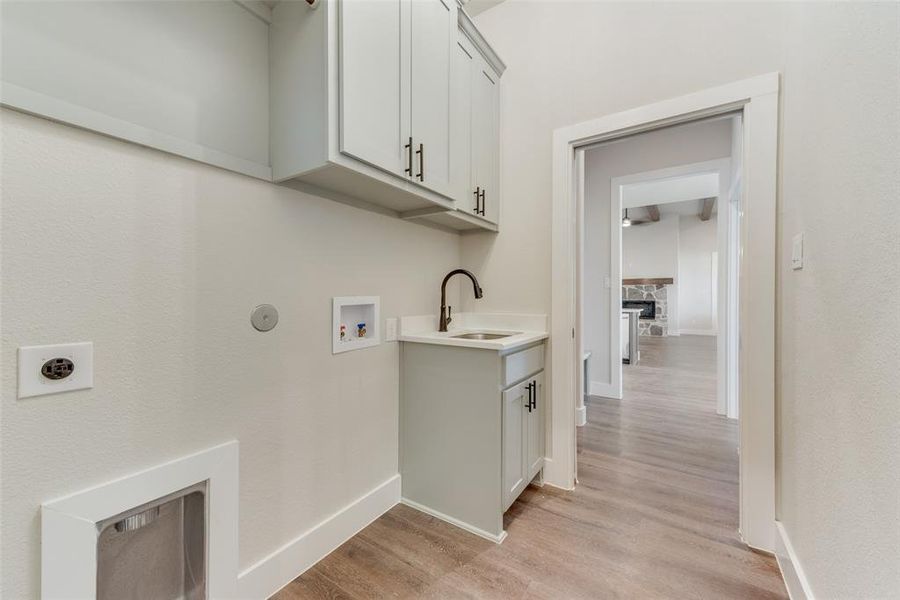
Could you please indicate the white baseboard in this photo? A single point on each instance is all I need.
(794, 578)
(556, 475)
(497, 539)
(580, 416)
(279, 568)
(697, 332)
(606, 390)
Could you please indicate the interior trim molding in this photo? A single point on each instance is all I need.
(489, 54)
(605, 390)
(647, 281)
(791, 571)
(69, 533)
(757, 99)
(37, 104)
(278, 569)
(497, 539)
(258, 9)
(580, 416)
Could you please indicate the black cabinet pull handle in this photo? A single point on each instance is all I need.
(478, 200)
(528, 387)
(421, 153)
(482, 203)
(409, 159)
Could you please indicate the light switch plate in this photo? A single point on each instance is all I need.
(31, 358)
(390, 330)
(797, 252)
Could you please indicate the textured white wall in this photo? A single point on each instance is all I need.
(837, 372)
(158, 260)
(838, 352)
(680, 247)
(651, 249)
(127, 60)
(692, 143)
(697, 245)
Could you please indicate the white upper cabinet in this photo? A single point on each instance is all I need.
(461, 127)
(433, 37)
(374, 81)
(474, 131)
(390, 105)
(367, 101)
(485, 141)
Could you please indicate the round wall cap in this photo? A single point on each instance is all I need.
(264, 317)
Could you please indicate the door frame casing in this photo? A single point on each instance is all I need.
(757, 98)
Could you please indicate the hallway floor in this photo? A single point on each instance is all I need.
(654, 514)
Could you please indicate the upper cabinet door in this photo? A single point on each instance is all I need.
(461, 128)
(374, 82)
(485, 139)
(432, 47)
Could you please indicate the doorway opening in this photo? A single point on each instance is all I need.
(752, 280)
(658, 244)
(653, 225)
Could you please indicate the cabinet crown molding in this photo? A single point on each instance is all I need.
(490, 55)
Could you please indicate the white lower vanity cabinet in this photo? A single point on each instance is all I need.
(471, 430)
(523, 436)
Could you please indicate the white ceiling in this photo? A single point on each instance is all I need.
(674, 189)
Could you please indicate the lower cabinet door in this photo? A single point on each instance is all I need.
(515, 400)
(534, 426)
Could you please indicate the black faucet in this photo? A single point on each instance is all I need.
(445, 310)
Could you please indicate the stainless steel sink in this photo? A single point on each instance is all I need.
(482, 336)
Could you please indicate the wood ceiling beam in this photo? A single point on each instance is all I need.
(653, 211)
(706, 211)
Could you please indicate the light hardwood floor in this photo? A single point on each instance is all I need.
(654, 514)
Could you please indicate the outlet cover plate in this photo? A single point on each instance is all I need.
(32, 358)
(390, 329)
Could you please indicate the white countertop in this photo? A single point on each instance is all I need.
(526, 330)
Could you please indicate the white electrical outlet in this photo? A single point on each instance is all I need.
(797, 252)
(55, 368)
(390, 330)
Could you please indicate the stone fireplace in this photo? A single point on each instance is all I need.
(639, 293)
(647, 308)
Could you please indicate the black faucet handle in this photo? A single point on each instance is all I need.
(449, 312)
